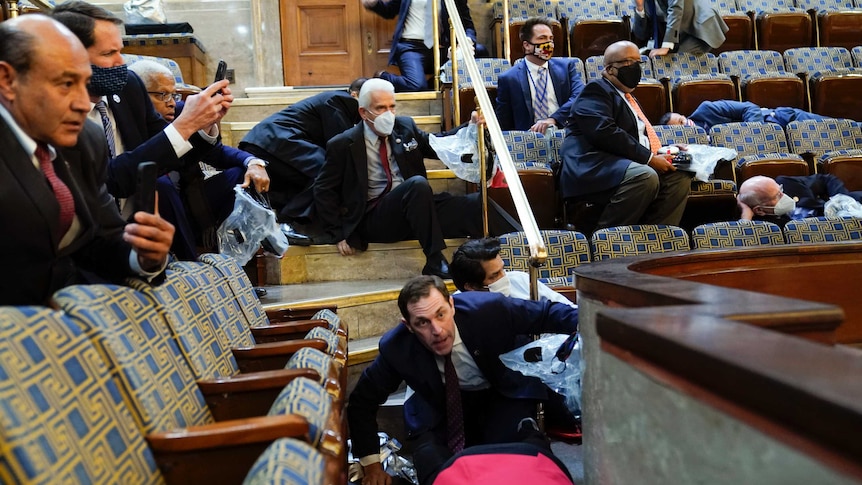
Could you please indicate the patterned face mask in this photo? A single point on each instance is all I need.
(543, 51)
(108, 80)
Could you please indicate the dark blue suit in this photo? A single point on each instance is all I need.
(489, 324)
(711, 113)
(413, 58)
(515, 103)
(34, 265)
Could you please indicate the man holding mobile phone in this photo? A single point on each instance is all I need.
(133, 129)
(62, 227)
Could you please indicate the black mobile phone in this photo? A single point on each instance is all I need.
(221, 72)
(145, 197)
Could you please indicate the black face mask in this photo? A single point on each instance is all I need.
(629, 76)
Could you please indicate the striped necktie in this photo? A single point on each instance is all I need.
(108, 126)
(541, 86)
(61, 190)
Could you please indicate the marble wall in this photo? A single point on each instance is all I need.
(247, 34)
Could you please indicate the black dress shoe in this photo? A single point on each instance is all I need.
(260, 292)
(294, 237)
(436, 265)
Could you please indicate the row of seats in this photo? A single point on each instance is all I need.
(589, 26)
(569, 249)
(824, 80)
(152, 384)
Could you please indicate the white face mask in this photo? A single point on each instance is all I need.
(501, 286)
(785, 205)
(384, 122)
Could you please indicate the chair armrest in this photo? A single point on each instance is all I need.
(220, 452)
(248, 395)
(273, 355)
(279, 315)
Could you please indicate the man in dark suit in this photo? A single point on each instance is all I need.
(61, 225)
(693, 26)
(537, 93)
(413, 39)
(710, 113)
(373, 187)
(134, 130)
(293, 141)
(202, 203)
(470, 330)
(611, 148)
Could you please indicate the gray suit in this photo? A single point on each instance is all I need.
(691, 25)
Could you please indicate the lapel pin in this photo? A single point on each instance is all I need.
(116, 98)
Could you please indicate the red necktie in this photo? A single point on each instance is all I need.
(61, 190)
(454, 411)
(654, 142)
(384, 160)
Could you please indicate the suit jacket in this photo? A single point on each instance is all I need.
(34, 267)
(711, 113)
(341, 188)
(294, 142)
(490, 324)
(219, 155)
(142, 130)
(697, 18)
(515, 103)
(601, 141)
(400, 8)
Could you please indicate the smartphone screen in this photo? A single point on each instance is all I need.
(145, 197)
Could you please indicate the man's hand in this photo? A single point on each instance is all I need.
(204, 109)
(659, 52)
(541, 126)
(255, 174)
(747, 212)
(476, 119)
(661, 163)
(151, 238)
(345, 250)
(375, 475)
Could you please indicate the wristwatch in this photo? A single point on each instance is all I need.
(258, 162)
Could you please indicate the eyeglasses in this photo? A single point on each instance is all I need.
(165, 97)
(629, 62)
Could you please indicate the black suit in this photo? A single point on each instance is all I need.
(601, 143)
(410, 210)
(33, 265)
(293, 141)
(489, 324)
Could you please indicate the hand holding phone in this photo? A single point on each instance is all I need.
(145, 197)
(221, 73)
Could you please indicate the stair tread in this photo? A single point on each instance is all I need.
(345, 293)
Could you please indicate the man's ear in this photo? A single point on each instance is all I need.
(409, 328)
(471, 287)
(8, 76)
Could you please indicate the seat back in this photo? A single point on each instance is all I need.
(813, 60)
(489, 69)
(742, 63)
(749, 138)
(679, 134)
(566, 251)
(814, 230)
(306, 398)
(532, 156)
(763, 79)
(621, 241)
(857, 55)
(780, 25)
(818, 137)
(137, 347)
(740, 32)
(63, 418)
(332, 374)
(733, 234)
(288, 461)
(681, 64)
(592, 25)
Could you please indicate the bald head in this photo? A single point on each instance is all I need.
(44, 70)
(622, 67)
(620, 51)
(759, 191)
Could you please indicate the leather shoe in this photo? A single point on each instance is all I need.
(437, 265)
(260, 292)
(294, 237)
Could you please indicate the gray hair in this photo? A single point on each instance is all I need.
(372, 86)
(147, 70)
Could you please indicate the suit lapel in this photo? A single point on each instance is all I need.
(559, 77)
(62, 165)
(360, 159)
(524, 80)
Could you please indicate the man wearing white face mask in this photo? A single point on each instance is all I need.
(538, 93)
(477, 266)
(763, 198)
(373, 187)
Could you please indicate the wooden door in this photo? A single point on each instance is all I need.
(377, 42)
(320, 42)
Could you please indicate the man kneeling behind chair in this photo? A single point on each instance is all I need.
(439, 335)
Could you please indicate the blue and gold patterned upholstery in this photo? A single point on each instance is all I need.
(762, 149)
(838, 21)
(819, 61)
(621, 241)
(524, 9)
(63, 419)
(308, 399)
(136, 344)
(592, 25)
(678, 66)
(595, 64)
(762, 78)
(822, 230)
(243, 290)
(692, 79)
(566, 251)
(530, 150)
(819, 137)
(857, 56)
(335, 324)
(733, 234)
(489, 68)
(287, 461)
(331, 373)
(336, 345)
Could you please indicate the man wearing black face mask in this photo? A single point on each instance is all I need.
(610, 150)
(538, 93)
(134, 131)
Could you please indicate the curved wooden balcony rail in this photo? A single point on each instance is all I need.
(692, 363)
